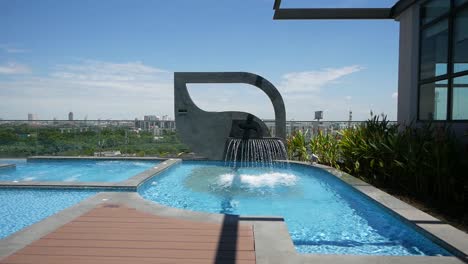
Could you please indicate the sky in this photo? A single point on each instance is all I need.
(116, 59)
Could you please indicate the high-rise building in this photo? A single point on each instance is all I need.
(30, 117)
(70, 116)
(150, 118)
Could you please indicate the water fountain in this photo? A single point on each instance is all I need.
(238, 138)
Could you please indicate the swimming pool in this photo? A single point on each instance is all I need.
(74, 170)
(324, 215)
(20, 208)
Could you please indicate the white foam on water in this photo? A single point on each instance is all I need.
(29, 178)
(225, 180)
(258, 180)
(139, 163)
(71, 179)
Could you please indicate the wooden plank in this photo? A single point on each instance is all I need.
(238, 245)
(146, 220)
(155, 225)
(155, 232)
(35, 259)
(133, 252)
(119, 237)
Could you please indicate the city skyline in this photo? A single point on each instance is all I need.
(34, 117)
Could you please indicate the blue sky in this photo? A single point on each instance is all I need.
(115, 59)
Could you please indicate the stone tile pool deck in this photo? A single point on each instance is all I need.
(269, 235)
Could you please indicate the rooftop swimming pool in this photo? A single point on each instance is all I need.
(20, 208)
(73, 170)
(324, 215)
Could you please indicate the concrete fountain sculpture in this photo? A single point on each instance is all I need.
(233, 136)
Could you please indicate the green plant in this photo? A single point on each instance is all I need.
(425, 162)
(297, 146)
(371, 150)
(327, 148)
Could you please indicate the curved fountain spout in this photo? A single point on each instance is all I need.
(206, 132)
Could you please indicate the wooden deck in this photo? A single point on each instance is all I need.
(117, 234)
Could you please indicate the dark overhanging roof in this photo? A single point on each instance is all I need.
(341, 13)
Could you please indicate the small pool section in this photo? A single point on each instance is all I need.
(324, 215)
(20, 208)
(73, 170)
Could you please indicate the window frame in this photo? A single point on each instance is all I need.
(450, 75)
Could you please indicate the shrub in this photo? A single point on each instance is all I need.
(326, 147)
(297, 147)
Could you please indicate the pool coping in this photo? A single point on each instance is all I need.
(130, 184)
(273, 243)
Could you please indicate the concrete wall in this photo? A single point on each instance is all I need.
(408, 70)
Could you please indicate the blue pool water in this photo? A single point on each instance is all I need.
(323, 214)
(22, 208)
(74, 171)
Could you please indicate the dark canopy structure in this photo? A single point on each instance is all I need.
(341, 13)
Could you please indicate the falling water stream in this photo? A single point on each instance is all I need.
(264, 152)
(241, 153)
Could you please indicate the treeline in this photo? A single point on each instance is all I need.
(25, 140)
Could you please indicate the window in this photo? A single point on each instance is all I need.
(434, 9)
(443, 71)
(460, 41)
(434, 48)
(460, 98)
(433, 98)
(460, 2)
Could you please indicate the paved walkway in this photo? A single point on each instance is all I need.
(112, 233)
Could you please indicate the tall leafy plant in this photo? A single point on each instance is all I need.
(327, 149)
(297, 146)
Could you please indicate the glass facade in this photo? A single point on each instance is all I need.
(433, 101)
(460, 41)
(434, 9)
(443, 71)
(434, 48)
(460, 98)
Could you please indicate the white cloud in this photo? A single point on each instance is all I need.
(395, 95)
(348, 97)
(313, 81)
(14, 68)
(96, 88)
(11, 49)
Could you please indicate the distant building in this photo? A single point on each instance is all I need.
(158, 127)
(70, 116)
(150, 118)
(32, 117)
